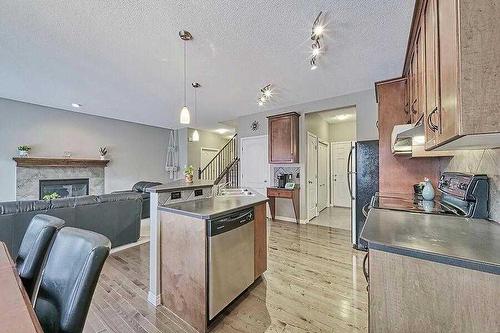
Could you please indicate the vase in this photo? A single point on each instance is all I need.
(23, 153)
(189, 178)
(428, 190)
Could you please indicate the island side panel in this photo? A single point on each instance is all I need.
(260, 240)
(409, 295)
(183, 268)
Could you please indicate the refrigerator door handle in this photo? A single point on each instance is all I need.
(349, 173)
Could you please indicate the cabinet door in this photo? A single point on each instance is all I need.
(431, 121)
(283, 139)
(448, 70)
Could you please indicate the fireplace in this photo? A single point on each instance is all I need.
(63, 188)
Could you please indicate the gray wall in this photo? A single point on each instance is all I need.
(366, 129)
(343, 131)
(317, 126)
(137, 152)
(207, 140)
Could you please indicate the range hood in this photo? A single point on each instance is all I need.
(402, 137)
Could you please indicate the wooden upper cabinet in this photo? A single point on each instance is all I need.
(456, 44)
(283, 138)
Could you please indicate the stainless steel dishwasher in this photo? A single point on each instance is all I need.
(230, 258)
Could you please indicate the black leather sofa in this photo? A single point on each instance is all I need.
(140, 187)
(116, 216)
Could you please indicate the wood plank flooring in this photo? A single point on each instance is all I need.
(314, 283)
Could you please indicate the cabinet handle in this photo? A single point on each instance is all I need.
(433, 127)
(365, 272)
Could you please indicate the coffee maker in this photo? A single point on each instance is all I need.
(283, 179)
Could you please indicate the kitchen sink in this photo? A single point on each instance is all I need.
(236, 192)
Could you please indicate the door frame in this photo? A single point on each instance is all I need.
(332, 164)
(240, 151)
(328, 170)
(307, 176)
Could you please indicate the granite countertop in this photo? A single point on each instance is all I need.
(210, 208)
(452, 240)
(180, 185)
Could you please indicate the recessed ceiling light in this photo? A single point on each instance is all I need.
(222, 130)
(75, 105)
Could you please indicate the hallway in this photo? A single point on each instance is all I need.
(334, 217)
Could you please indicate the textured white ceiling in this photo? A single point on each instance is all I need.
(123, 59)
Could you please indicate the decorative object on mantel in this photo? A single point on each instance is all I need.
(58, 162)
(188, 174)
(103, 151)
(23, 150)
(51, 196)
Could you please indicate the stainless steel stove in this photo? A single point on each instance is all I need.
(458, 194)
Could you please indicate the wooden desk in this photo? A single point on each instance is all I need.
(16, 313)
(276, 192)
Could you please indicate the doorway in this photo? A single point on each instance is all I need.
(312, 176)
(328, 143)
(254, 165)
(339, 158)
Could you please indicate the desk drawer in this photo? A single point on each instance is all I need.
(279, 193)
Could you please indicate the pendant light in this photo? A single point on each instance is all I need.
(185, 116)
(196, 135)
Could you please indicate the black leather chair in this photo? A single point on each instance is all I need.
(69, 279)
(34, 246)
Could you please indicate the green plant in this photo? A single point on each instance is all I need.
(189, 171)
(103, 151)
(51, 196)
(24, 148)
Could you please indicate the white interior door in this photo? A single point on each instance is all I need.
(323, 157)
(254, 165)
(340, 155)
(312, 176)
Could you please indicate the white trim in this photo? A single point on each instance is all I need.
(152, 299)
(140, 241)
(308, 218)
(328, 171)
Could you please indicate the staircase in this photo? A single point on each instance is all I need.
(224, 167)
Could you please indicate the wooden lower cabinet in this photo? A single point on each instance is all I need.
(407, 295)
(260, 240)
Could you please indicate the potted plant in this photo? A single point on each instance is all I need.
(23, 150)
(103, 151)
(188, 174)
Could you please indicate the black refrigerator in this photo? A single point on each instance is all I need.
(363, 182)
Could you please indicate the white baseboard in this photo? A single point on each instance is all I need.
(290, 219)
(154, 299)
(141, 240)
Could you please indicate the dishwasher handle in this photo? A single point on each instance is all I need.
(229, 222)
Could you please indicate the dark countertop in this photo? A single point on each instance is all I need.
(180, 185)
(457, 241)
(210, 208)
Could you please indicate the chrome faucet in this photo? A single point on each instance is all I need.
(217, 189)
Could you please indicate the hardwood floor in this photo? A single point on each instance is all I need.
(314, 283)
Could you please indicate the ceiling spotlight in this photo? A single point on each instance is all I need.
(267, 93)
(260, 103)
(75, 105)
(318, 30)
(317, 33)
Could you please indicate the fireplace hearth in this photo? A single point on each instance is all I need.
(64, 188)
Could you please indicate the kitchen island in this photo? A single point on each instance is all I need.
(432, 273)
(206, 252)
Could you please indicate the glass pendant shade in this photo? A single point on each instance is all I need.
(185, 116)
(196, 136)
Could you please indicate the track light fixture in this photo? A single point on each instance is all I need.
(316, 34)
(265, 94)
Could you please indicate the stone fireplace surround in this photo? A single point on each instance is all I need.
(28, 179)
